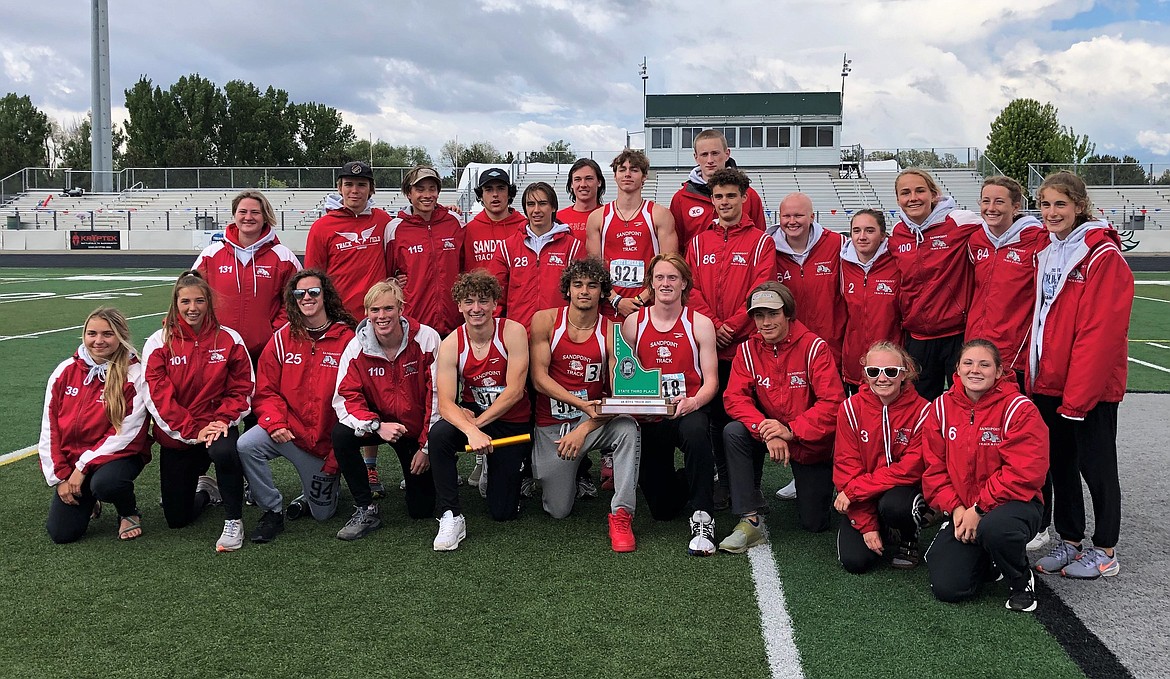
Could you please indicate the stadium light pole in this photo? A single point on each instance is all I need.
(101, 133)
(846, 68)
(642, 72)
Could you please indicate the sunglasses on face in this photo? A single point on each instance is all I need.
(890, 371)
(311, 292)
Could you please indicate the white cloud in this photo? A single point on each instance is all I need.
(1156, 142)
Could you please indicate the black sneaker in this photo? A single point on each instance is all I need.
(907, 556)
(297, 508)
(1023, 600)
(271, 524)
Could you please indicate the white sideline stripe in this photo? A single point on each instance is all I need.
(31, 335)
(1151, 282)
(1152, 299)
(1149, 365)
(775, 624)
(1155, 344)
(67, 295)
(133, 279)
(15, 455)
(40, 279)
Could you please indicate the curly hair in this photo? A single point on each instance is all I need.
(591, 268)
(330, 298)
(477, 283)
(729, 176)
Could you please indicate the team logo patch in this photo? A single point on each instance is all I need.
(215, 356)
(263, 272)
(448, 243)
(328, 361)
(556, 260)
(629, 243)
(738, 258)
(797, 380)
(824, 270)
(989, 435)
(902, 437)
(938, 243)
(576, 365)
(1013, 257)
(695, 211)
(488, 382)
(883, 288)
(1075, 276)
(411, 368)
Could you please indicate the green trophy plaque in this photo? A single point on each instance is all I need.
(636, 390)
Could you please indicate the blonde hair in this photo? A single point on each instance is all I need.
(265, 206)
(114, 393)
(925, 176)
(904, 356)
(1072, 186)
(386, 287)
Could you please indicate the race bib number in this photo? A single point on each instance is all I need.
(486, 396)
(627, 273)
(674, 384)
(565, 411)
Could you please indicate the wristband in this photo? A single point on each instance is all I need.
(615, 301)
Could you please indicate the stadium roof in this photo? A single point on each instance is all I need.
(744, 104)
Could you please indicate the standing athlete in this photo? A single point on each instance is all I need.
(497, 221)
(586, 186)
(691, 206)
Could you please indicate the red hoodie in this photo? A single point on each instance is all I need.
(877, 448)
(351, 249)
(75, 432)
(988, 452)
(194, 380)
(295, 381)
(532, 280)
(431, 256)
(693, 211)
(795, 382)
(726, 266)
(248, 284)
(816, 285)
(373, 387)
(483, 237)
(872, 313)
(1004, 292)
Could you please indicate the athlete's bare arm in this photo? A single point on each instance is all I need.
(593, 233)
(708, 363)
(664, 229)
(540, 356)
(447, 384)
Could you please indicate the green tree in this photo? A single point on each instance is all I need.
(559, 151)
(73, 144)
(24, 134)
(1073, 148)
(150, 124)
(1124, 171)
(480, 152)
(1024, 132)
(322, 135)
(450, 153)
(1164, 178)
(200, 109)
(259, 127)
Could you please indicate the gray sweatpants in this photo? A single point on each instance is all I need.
(558, 477)
(257, 448)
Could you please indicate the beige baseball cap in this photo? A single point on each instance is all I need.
(766, 299)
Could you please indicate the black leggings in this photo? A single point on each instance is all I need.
(112, 482)
(179, 472)
(895, 509)
(666, 491)
(936, 360)
(504, 465)
(420, 488)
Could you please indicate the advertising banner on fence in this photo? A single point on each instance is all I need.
(95, 240)
(201, 239)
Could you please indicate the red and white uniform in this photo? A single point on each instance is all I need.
(1004, 292)
(576, 220)
(351, 248)
(1080, 327)
(482, 237)
(529, 270)
(989, 452)
(374, 387)
(872, 313)
(579, 367)
(481, 381)
(194, 380)
(937, 276)
(431, 256)
(814, 279)
(795, 382)
(693, 211)
(75, 432)
(248, 284)
(295, 381)
(675, 352)
(876, 448)
(628, 246)
(726, 265)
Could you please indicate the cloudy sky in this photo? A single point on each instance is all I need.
(521, 73)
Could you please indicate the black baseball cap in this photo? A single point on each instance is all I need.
(493, 174)
(356, 168)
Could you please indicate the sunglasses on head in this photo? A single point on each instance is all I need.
(311, 292)
(890, 371)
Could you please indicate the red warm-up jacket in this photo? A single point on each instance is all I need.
(693, 211)
(431, 256)
(872, 313)
(815, 281)
(877, 447)
(532, 280)
(351, 248)
(1005, 292)
(483, 237)
(795, 382)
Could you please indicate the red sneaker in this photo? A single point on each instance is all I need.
(607, 472)
(621, 535)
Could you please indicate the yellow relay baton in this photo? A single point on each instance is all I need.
(506, 441)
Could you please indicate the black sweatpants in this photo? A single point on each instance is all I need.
(1086, 449)
(504, 466)
(112, 483)
(347, 449)
(179, 471)
(718, 417)
(958, 568)
(666, 491)
(936, 360)
(895, 511)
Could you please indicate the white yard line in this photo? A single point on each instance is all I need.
(41, 279)
(1152, 299)
(9, 458)
(1149, 365)
(31, 335)
(65, 295)
(775, 624)
(1155, 344)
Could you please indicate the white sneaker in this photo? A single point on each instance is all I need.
(232, 537)
(1040, 541)
(702, 534)
(787, 492)
(452, 530)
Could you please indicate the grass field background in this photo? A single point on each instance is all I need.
(534, 597)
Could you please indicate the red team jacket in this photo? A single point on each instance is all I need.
(532, 280)
(877, 447)
(249, 295)
(726, 266)
(431, 256)
(295, 380)
(816, 286)
(1004, 292)
(351, 249)
(1081, 341)
(75, 432)
(482, 237)
(936, 274)
(795, 382)
(693, 212)
(991, 452)
(373, 387)
(195, 380)
(872, 313)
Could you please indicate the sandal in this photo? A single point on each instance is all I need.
(134, 524)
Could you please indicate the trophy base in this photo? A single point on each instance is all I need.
(636, 406)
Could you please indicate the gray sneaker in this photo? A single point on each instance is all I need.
(209, 486)
(364, 520)
(1061, 555)
(586, 488)
(527, 486)
(1092, 564)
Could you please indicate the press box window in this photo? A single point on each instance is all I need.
(661, 137)
(688, 136)
(816, 135)
(751, 137)
(779, 137)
